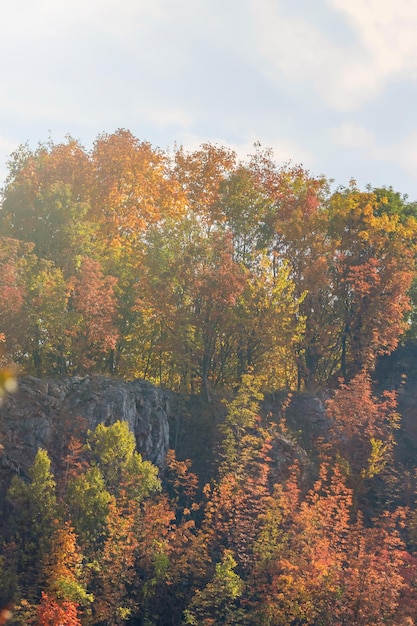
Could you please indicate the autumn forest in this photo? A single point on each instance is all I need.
(229, 280)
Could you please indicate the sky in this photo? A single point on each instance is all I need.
(329, 84)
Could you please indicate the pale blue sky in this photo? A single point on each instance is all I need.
(331, 84)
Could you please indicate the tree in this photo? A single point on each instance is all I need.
(293, 231)
(113, 603)
(372, 578)
(201, 174)
(16, 259)
(133, 189)
(113, 450)
(267, 325)
(373, 269)
(34, 509)
(46, 201)
(242, 492)
(363, 430)
(88, 502)
(180, 482)
(301, 552)
(394, 203)
(241, 421)
(188, 293)
(242, 207)
(217, 603)
(94, 331)
(51, 612)
(46, 343)
(316, 563)
(62, 567)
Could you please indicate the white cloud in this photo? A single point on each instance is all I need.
(35, 19)
(345, 74)
(232, 73)
(374, 150)
(403, 153)
(33, 110)
(387, 31)
(290, 45)
(299, 57)
(351, 135)
(163, 117)
(8, 145)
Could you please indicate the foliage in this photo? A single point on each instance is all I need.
(51, 612)
(216, 603)
(206, 274)
(34, 509)
(192, 270)
(362, 431)
(113, 449)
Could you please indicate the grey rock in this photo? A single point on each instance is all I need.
(45, 413)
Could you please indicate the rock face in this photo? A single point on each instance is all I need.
(44, 413)
(304, 415)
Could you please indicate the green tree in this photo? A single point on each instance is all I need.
(242, 207)
(34, 510)
(88, 501)
(241, 421)
(267, 325)
(46, 201)
(46, 343)
(188, 295)
(113, 450)
(241, 493)
(217, 603)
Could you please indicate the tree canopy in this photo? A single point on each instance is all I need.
(191, 269)
(230, 281)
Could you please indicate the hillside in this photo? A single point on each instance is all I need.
(285, 432)
(215, 418)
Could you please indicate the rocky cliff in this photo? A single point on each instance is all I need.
(45, 413)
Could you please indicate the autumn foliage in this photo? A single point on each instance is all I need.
(228, 280)
(194, 268)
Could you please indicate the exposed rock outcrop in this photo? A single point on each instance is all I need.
(44, 413)
(304, 420)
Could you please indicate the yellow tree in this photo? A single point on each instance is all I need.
(132, 189)
(293, 230)
(372, 271)
(268, 324)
